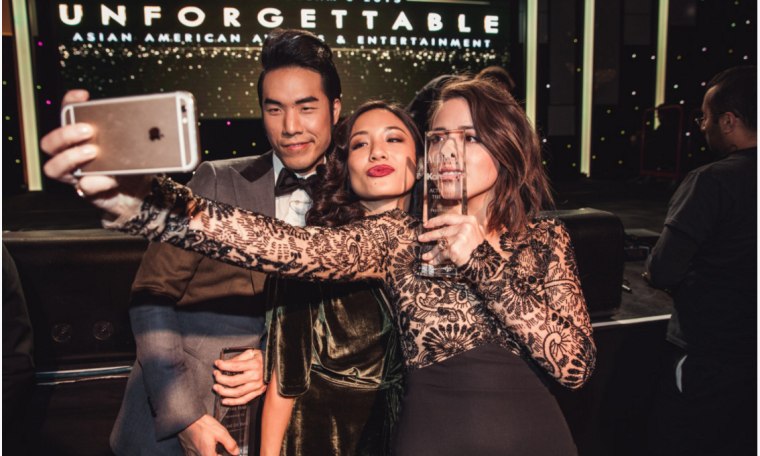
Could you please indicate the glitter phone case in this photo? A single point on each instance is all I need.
(144, 134)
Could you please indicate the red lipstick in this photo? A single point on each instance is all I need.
(380, 171)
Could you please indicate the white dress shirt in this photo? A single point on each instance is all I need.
(291, 208)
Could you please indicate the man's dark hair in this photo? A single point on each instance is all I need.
(736, 92)
(299, 48)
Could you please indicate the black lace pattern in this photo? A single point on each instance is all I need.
(526, 297)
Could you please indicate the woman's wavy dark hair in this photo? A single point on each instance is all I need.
(522, 187)
(335, 203)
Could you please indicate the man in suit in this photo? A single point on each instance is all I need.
(186, 307)
(185, 310)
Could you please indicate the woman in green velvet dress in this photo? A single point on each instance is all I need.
(332, 387)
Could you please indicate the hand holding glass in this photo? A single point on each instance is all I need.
(445, 190)
(236, 418)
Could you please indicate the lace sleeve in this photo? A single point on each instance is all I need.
(534, 291)
(173, 214)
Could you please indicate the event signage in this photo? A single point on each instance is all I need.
(383, 48)
(465, 24)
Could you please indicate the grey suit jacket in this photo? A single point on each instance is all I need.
(185, 309)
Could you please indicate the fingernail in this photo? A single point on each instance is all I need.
(85, 129)
(87, 150)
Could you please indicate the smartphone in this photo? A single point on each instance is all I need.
(237, 418)
(143, 134)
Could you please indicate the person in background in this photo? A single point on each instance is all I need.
(706, 257)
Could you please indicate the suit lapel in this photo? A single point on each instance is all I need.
(256, 188)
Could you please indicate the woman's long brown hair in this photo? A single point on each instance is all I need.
(522, 188)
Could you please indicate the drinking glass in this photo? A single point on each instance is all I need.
(236, 418)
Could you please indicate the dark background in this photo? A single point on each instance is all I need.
(223, 76)
(704, 37)
(608, 416)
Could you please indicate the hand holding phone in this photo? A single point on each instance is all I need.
(144, 134)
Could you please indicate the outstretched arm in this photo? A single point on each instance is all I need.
(172, 213)
(534, 290)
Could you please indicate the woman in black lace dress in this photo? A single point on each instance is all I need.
(468, 344)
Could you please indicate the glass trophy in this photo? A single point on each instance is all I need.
(445, 190)
(236, 418)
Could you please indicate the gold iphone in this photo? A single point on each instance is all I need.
(143, 134)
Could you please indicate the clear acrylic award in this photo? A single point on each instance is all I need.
(445, 190)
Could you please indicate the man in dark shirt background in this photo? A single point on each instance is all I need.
(707, 257)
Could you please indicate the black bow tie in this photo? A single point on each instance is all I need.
(288, 182)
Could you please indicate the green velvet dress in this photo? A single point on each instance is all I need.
(337, 352)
